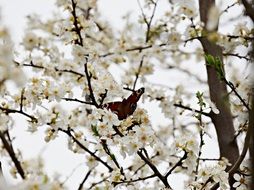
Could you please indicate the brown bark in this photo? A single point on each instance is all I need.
(249, 11)
(223, 121)
(251, 124)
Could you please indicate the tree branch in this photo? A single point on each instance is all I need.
(91, 94)
(76, 23)
(84, 180)
(8, 111)
(153, 167)
(223, 121)
(8, 147)
(138, 73)
(77, 100)
(68, 132)
(179, 163)
(115, 183)
(179, 105)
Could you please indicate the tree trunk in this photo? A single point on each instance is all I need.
(223, 121)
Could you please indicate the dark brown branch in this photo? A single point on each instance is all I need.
(223, 121)
(143, 165)
(153, 167)
(76, 23)
(246, 145)
(249, 9)
(97, 183)
(138, 72)
(210, 159)
(237, 55)
(191, 39)
(111, 155)
(8, 147)
(236, 36)
(202, 143)
(233, 88)
(1, 170)
(179, 163)
(56, 69)
(77, 100)
(118, 132)
(137, 48)
(103, 96)
(8, 111)
(251, 125)
(115, 183)
(179, 105)
(188, 72)
(91, 94)
(21, 99)
(84, 180)
(140, 48)
(207, 181)
(228, 7)
(68, 132)
(148, 22)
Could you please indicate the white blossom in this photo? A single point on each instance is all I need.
(186, 7)
(241, 182)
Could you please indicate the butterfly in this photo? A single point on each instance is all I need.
(125, 108)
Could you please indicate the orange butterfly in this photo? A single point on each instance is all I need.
(126, 107)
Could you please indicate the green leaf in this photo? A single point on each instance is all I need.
(201, 102)
(209, 59)
(94, 129)
(216, 63)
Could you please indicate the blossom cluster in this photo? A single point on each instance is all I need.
(70, 63)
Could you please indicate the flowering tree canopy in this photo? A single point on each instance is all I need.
(140, 104)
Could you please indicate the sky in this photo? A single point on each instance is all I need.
(14, 12)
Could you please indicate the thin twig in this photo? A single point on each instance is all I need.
(228, 7)
(202, 143)
(115, 183)
(91, 94)
(21, 99)
(194, 110)
(138, 72)
(56, 69)
(103, 96)
(179, 163)
(137, 48)
(143, 165)
(99, 182)
(210, 159)
(76, 23)
(233, 88)
(8, 111)
(77, 100)
(68, 132)
(84, 180)
(153, 167)
(108, 152)
(238, 56)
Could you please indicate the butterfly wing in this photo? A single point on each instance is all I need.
(115, 107)
(135, 96)
(127, 106)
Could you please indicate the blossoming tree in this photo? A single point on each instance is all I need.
(80, 79)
